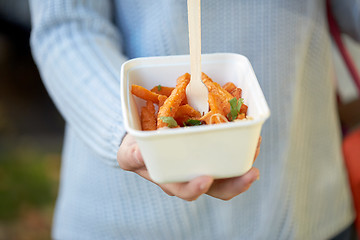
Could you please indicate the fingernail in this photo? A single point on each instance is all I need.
(138, 157)
(203, 186)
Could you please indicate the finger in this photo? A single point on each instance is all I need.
(143, 172)
(226, 189)
(129, 156)
(188, 191)
(191, 190)
(257, 149)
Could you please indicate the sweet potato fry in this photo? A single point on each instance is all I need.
(223, 95)
(229, 86)
(243, 108)
(236, 93)
(243, 111)
(241, 116)
(148, 117)
(215, 104)
(224, 105)
(162, 99)
(216, 113)
(232, 89)
(172, 103)
(166, 91)
(186, 112)
(184, 102)
(214, 86)
(162, 90)
(145, 94)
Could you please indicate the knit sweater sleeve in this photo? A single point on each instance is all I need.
(347, 15)
(78, 53)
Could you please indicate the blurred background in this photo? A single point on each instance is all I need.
(31, 132)
(31, 129)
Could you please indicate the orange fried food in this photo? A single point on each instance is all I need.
(243, 108)
(215, 89)
(148, 117)
(186, 112)
(145, 94)
(215, 104)
(233, 90)
(165, 91)
(162, 99)
(236, 93)
(216, 113)
(242, 112)
(225, 105)
(172, 103)
(241, 116)
(162, 90)
(229, 86)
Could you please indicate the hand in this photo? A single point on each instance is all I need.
(130, 159)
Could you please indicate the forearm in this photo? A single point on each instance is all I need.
(347, 15)
(77, 51)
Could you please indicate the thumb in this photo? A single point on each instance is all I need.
(129, 156)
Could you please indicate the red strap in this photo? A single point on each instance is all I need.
(335, 32)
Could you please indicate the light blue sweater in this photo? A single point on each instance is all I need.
(79, 46)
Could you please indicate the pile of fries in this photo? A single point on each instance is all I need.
(225, 104)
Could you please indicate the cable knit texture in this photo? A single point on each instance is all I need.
(79, 46)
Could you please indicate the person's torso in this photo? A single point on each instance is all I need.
(287, 43)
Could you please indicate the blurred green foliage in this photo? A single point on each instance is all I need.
(29, 179)
(25, 180)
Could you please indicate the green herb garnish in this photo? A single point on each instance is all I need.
(159, 87)
(235, 106)
(193, 122)
(170, 121)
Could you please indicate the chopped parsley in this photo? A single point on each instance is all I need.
(235, 106)
(159, 87)
(192, 122)
(170, 121)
